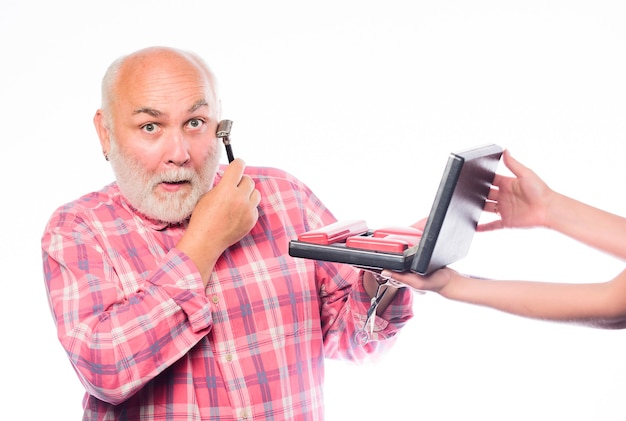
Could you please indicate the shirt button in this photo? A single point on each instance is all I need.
(229, 357)
(215, 299)
(244, 414)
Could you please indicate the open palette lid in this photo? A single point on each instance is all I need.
(447, 235)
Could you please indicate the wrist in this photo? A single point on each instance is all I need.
(555, 210)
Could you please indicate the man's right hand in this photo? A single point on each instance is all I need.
(223, 216)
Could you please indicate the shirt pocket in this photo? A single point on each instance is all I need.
(268, 298)
(282, 300)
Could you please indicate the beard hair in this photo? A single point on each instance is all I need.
(139, 186)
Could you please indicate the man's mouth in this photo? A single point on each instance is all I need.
(173, 186)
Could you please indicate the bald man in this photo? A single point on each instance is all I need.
(172, 289)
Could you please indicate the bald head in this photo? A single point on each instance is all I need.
(152, 65)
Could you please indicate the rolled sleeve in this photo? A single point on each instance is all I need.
(178, 277)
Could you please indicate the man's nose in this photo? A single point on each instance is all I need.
(177, 149)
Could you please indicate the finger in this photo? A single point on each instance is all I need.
(490, 226)
(405, 279)
(255, 197)
(493, 193)
(421, 224)
(514, 165)
(246, 183)
(234, 172)
(491, 206)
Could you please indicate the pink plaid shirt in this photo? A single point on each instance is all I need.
(150, 342)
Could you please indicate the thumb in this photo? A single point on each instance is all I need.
(513, 164)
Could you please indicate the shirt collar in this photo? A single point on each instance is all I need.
(151, 223)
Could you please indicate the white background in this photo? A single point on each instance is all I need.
(363, 101)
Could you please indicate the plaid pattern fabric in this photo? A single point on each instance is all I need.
(150, 342)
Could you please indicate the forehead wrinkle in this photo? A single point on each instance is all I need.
(156, 113)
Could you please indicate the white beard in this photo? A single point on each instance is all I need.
(139, 187)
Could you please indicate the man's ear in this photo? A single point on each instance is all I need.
(104, 132)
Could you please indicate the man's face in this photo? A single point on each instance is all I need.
(163, 147)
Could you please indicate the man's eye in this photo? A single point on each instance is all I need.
(150, 127)
(194, 123)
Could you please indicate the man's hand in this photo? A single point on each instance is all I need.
(223, 216)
